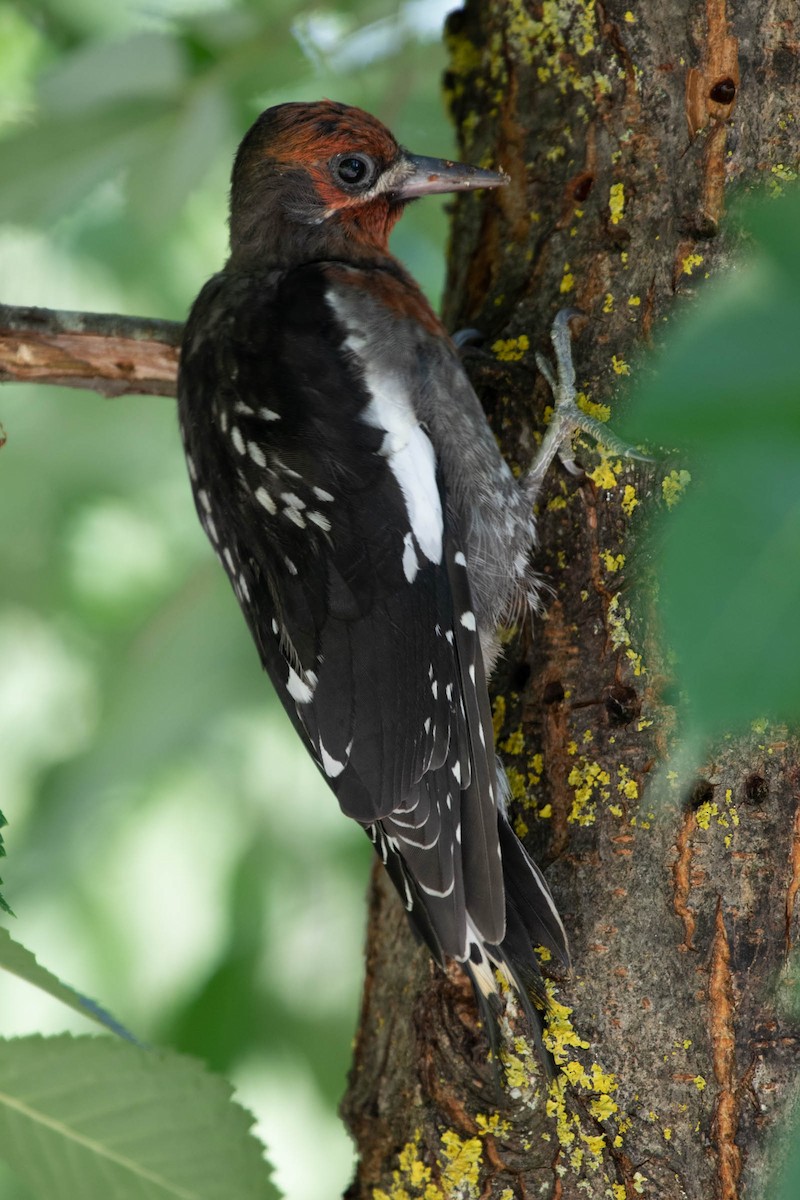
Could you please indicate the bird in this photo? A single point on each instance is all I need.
(346, 476)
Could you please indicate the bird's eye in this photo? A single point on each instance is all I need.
(354, 170)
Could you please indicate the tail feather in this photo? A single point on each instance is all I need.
(532, 920)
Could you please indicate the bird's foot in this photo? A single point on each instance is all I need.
(567, 418)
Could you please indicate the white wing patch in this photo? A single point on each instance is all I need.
(406, 446)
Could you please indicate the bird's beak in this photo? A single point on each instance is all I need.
(420, 176)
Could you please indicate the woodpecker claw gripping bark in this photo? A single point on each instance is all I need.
(346, 476)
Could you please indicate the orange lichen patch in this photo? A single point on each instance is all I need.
(682, 879)
(723, 1056)
(794, 882)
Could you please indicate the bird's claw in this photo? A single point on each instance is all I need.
(568, 418)
(467, 337)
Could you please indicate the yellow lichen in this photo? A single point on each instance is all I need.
(461, 1162)
(629, 499)
(495, 1124)
(411, 1172)
(516, 783)
(586, 778)
(605, 473)
(691, 263)
(634, 301)
(498, 715)
(603, 1108)
(567, 280)
(619, 366)
(608, 303)
(673, 487)
(600, 412)
(627, 786)
(616, 202)
(514, 743)
(511, 349)
(612, 562)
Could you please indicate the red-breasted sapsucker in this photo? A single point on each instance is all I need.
(352, 489)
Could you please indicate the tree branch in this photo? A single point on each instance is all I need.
(104, 352)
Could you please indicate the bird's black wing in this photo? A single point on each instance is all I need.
(324, 500)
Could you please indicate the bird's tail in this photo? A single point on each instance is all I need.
(532, 921)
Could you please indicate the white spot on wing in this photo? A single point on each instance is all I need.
(257, 454)
(410, 560)
(433, 892)
(319, 519)
(459, 559)
(330, 765)
(237, 439)
(297, 688)
(321, 494)
(468, 619)
(268, 415)
(265, 500)
(293, 501)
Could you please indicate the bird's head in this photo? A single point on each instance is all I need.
(312, 180)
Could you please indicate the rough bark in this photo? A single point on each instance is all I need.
(623, 132)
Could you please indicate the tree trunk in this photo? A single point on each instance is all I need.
(623, 132)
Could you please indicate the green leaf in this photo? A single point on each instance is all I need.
(104, 1120)
(48, 169)
(18, 961)
(726, 392)
(198, 130)
(789, 1184)
(103, 72)
(730, 587)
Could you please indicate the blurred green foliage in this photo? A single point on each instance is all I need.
(172, 852)
(726, 392)
(725, 395)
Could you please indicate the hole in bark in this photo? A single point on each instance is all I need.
(519, 677)
(553, 692)
(702, 793)
(756, 789)
(723, 91)
(582, 186)
(622, 704)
